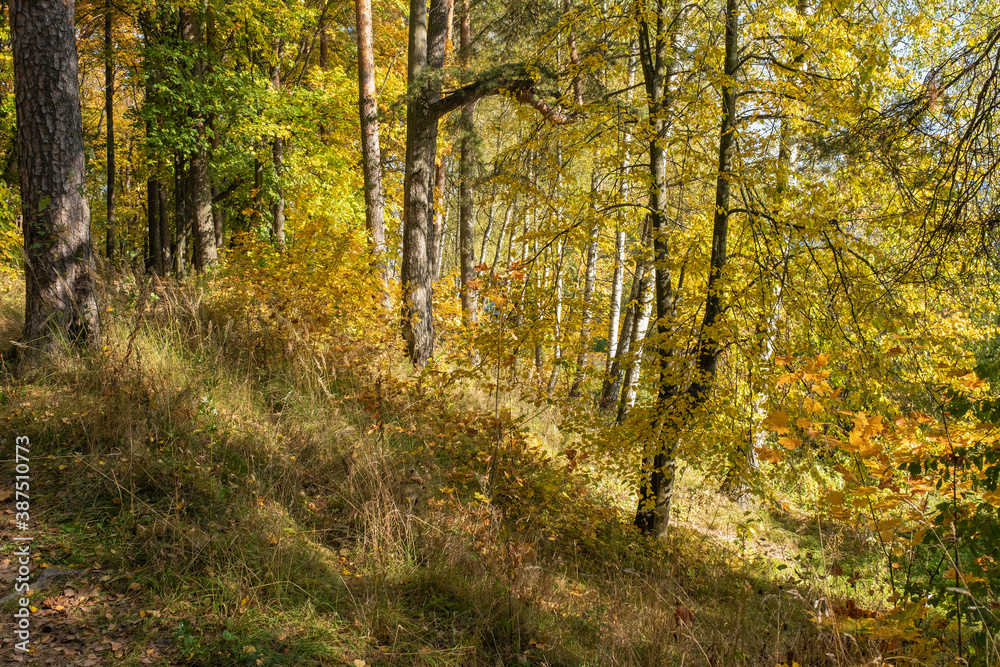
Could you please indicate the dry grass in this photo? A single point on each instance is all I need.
(244, 483)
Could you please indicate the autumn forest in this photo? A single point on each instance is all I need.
(500, 332)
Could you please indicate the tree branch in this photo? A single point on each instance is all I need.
(512, 78)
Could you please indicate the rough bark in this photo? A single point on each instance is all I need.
(109, 111)
(371, 151)
(574, 59)
(60, 297)
(427, 39)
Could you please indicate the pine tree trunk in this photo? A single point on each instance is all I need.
(427, 39)
(60, 298)
(370, 149)
(109, 111)
(157, 241)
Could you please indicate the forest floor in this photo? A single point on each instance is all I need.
(199, 499)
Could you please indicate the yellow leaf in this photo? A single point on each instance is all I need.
(789, 443)
(777, 421)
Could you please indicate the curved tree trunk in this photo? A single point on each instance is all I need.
(60, 297)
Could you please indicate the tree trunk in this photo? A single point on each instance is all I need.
(60, 297)
(258, 190)
(613, 382)
(735, 484)
(278, 160)
(163, 200)
(109, 111)
(557, 351)
(659, 491)
(182, 227)
(658, 61)
(640, 325)
(435, 242)
(574, 59)
(199, 184)
(503, 230)
(200, 188)
(427, 39)
(157, 240)
(324, 59)
(615, 303)
(154, 242)
(588, 295)
(278, 205)
(466, 215)
(370, 149)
